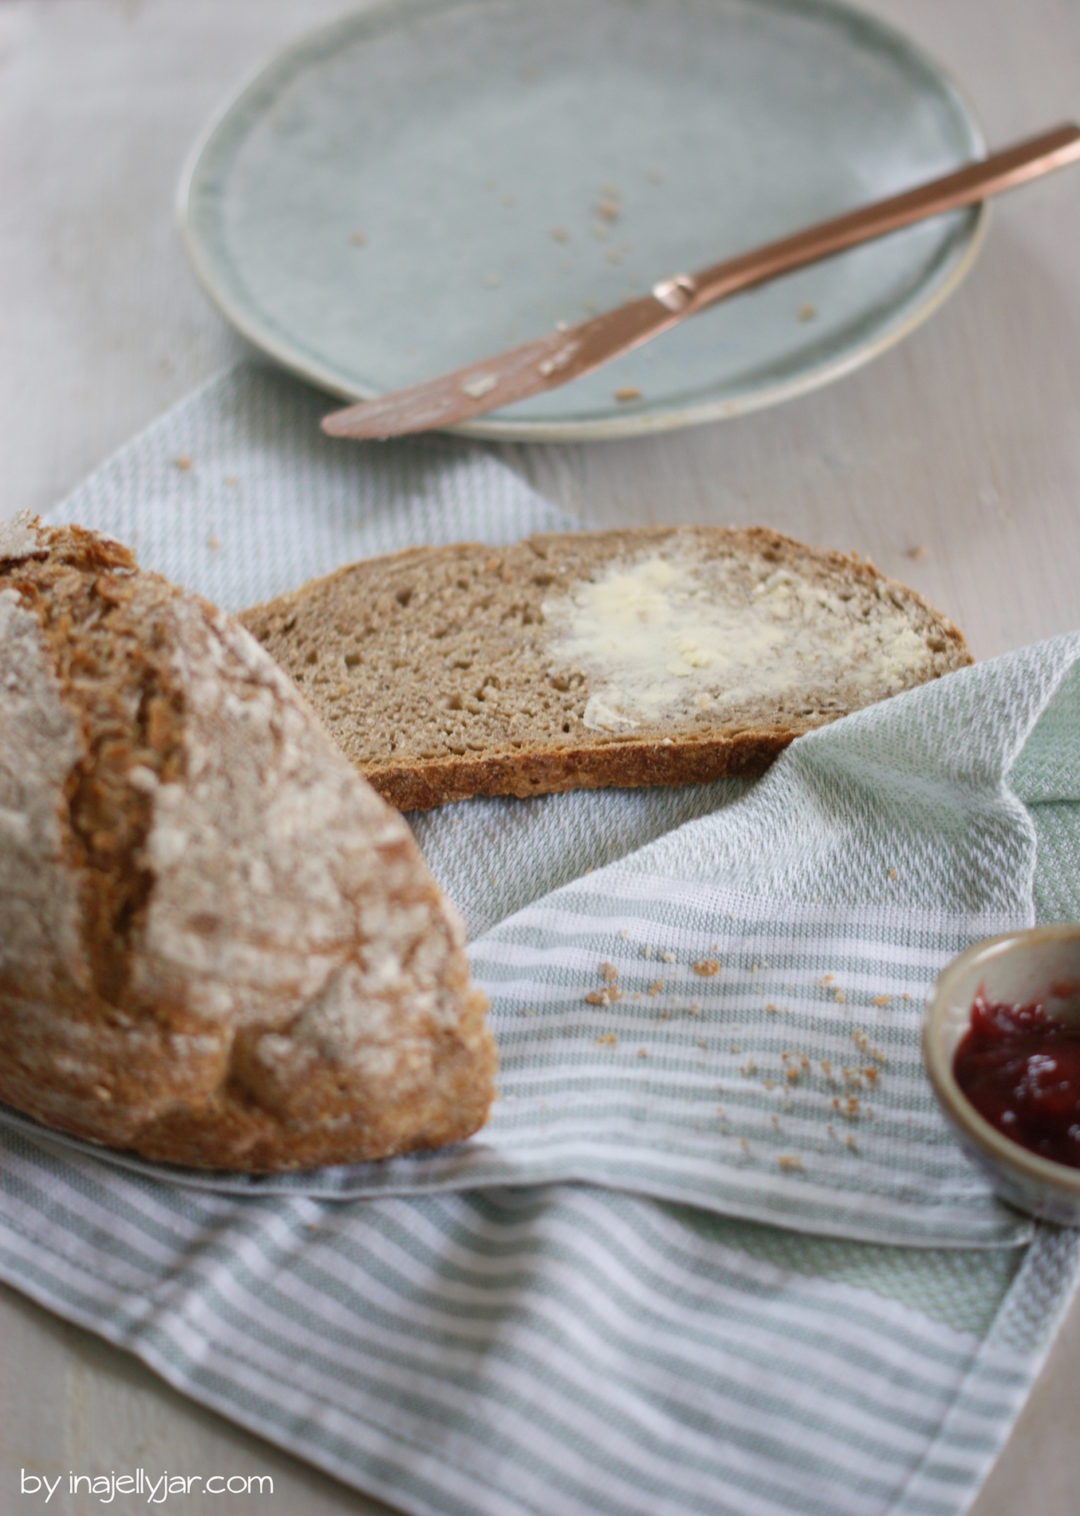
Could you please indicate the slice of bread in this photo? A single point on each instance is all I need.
(656, 655)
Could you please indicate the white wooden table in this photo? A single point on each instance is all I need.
(964, 441)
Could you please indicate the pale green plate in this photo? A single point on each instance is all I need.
(429, 181)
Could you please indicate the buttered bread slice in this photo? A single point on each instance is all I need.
(656, 655)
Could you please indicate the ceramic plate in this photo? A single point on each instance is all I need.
(428, 181)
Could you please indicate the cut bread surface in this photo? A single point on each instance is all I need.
(654, 655)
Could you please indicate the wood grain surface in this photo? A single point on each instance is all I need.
(963, 442)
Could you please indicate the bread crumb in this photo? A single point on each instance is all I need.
(881, 1001)
(892, 873)
(806, 311)
(827, 979)
(608, 208)
(770, 1009)
(654, 988)
(744, 1144)
(862, 1042)
(643, 1052)
(560, 234)
(870, 1074)
(749, 1068)
(706, 967)
(357, 239)
(768, 1084)
(826, 1068)
(646, 951)
(102, 1093)
(212, 543)
(792, 1074)
(182, 462)
(609, 972)
(839, 996)
(668, 957)
(596, 997)
(918, 551)
(628, 392)
(608, 1040)
(850, 1142)
(789, 1162)
(694, 1008)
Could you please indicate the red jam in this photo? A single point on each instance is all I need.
(1020, 1068)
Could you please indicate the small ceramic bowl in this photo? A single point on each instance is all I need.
(1019, 969)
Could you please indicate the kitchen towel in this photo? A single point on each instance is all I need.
(707, 1004)
(711, 994)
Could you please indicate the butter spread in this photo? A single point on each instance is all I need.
(663, 637)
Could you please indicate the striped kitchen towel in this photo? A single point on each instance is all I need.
(556, 1350)
(707, 1005)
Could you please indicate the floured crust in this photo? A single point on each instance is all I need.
(218, 947)
(441, 674)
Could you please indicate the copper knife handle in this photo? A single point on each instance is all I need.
(989, 176)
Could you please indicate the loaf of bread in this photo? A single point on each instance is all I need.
(218, 946)
(651, 656)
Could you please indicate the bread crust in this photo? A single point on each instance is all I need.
(587, 759)
(624, 765)
(218, 946)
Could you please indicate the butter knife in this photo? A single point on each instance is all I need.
(561, 356)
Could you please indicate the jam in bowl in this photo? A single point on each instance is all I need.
(1001, 1039)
